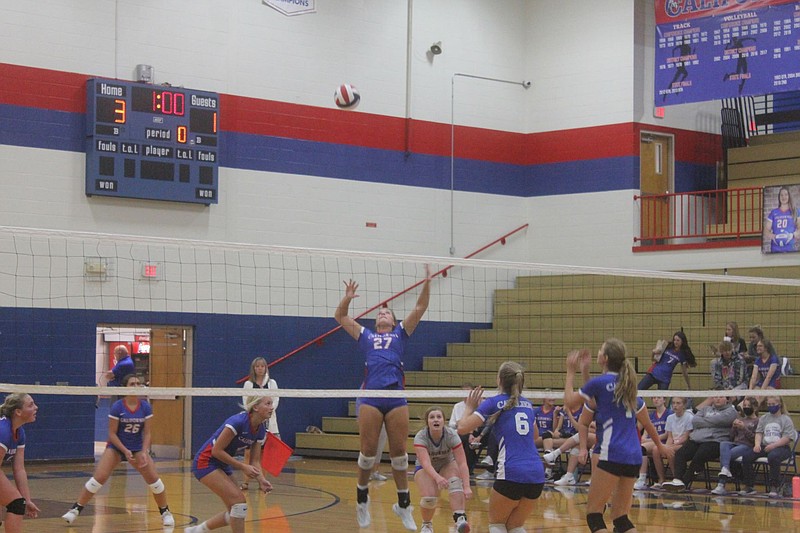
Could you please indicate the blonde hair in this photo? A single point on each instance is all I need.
(625, 391)
(252, 401)
(512, 380)
(12, 403)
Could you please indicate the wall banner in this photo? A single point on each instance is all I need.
(292, 7)
(714, 49)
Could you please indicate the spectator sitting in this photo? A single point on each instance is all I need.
(658, 416)
(775, 436)
(711, 425)
(728, 369)
(732, 336)
(766, 373)
(678, 428)
(743, 435)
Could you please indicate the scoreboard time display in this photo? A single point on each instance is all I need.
(151, 141)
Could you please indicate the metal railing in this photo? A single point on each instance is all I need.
(699, 219)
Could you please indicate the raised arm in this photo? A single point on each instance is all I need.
(413, 318)
(341, 315)
(577, 360)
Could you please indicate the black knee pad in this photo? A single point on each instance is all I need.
(595, 522)
(17, 507)
(623, 524)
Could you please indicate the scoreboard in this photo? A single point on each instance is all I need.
(151, 141)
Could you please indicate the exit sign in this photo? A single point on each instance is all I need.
(152, 271)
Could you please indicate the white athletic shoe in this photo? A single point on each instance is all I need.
(675, 486)
(566, 479)
(725, 471)
(70, 515)
(485, 476)
(462, 526)
(193, 529)
(641, 484)
(377, 476)
(427, 527)
(167, 519)
(362, 514)
(551, 456)
(406, 515)
(719, 490)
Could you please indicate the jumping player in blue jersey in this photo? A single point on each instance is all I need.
(384, 349)
(610, 399)
(214, 463)
(519, 477)
(781, 225)
(128, 439)
(17, 410)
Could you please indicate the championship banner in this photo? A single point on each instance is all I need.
(714, 49)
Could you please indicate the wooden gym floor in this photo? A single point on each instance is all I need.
(317, 495)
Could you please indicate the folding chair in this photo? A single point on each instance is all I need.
(788, 466)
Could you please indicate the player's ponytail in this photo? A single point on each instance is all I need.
(625, 391)
(512, 380)
(12, 403)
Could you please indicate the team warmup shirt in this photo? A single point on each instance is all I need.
(660, 422)
(545, 420)
(763, 370)
(244, 437)
(441, 453)
(10, 441)
(384, 353)
(617, 435)
(131, 423)
(664, 368)
(567, 427)
(517, 459)
(784, 224)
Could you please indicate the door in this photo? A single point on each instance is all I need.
(655, 171)
(168, 369)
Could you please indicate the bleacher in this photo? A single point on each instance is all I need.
(544, 317)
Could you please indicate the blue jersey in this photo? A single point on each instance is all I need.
(244, 437)
(662, 370)
(517, 459)
(11, 441)
(567, 427)
(131, 423)
(384, 353)
(123, 367)
(617, 435)
(763, 370)
(545, 420)
(660, 422)
(783, 225)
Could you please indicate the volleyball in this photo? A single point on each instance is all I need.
(346, 96)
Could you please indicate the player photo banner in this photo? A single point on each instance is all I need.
(714, 49)
(781, 233)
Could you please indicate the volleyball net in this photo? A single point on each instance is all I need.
(193, 314)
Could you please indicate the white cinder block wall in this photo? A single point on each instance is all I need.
(590, 64)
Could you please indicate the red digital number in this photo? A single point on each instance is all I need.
(182, 134)
(169, 103)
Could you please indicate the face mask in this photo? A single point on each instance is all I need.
(773, 408)
(747, 411)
